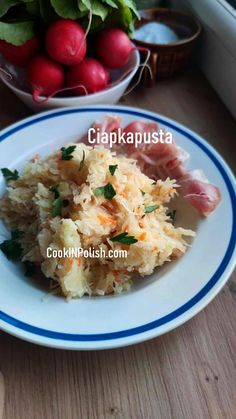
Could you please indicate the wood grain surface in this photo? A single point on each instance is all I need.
(189, 373)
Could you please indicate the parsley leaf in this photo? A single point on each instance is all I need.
(123, 238)
(9, 175)
(56, 209)
(99, 191)
(108, 191)
(58, 202)
(66, 153)
(54, 189)
(82, 161)
(150, 209)
(172, 215)
(112, 168)
(12, 248)
(142, 192)
(154, 183)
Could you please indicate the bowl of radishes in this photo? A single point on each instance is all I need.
(65, 67)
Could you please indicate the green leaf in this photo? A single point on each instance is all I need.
(150, 209)
(5, 5)
(131, 5)
(112, 168)
(16, 33)
(122, 17)
(110, 3)
(33, 8)
(47, 12)
(66, 153)
(68, 9)
(108, 191)
(142, 192)
(99, 191)
(9, 175)
(97, 8)
(58, 202)
(12, 248)
(84, 5)
(56, 209)
(123, 238)
(55, 190)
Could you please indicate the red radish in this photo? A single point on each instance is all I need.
(90, 74)
(45, 76)
(19, 55)
(113, 48)
(108, 74)
(65, 42)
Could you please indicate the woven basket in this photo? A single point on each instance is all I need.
(167, 60)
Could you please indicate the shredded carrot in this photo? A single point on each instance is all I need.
(122, 193)
(143, 236)
(141, 225)
(78, 261)
(106, 220)
(69, 262)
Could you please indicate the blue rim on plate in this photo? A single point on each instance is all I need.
(185, 307)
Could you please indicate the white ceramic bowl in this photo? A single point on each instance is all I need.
(18, 85)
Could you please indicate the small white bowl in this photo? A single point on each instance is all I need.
(18, 85)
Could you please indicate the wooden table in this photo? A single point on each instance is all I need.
(189, 373)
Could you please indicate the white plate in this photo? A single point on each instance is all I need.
(156, 304)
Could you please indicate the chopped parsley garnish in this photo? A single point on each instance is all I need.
(66, 153)
(9, 175)
(108, 191)
(154, 183)
(56, 209)
(142, 192)
(58, 202)
(55, 190)
(172, 215)
(112, 168)
(124, 238)
(82, 161)
(30, 268)
(12, 248)
(150, 209)
(99, 191)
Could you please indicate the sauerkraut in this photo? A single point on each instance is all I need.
(86, 217)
